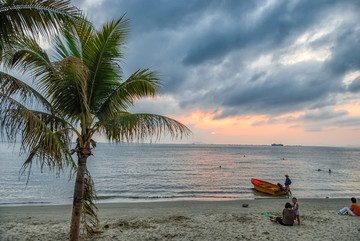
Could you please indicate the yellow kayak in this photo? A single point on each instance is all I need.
(268, 188)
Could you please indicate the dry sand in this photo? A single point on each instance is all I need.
(186, 220)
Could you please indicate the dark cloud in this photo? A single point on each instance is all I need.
(244, 57)
(355, 85)
(345, 55)
(324, 114)
(257, 76)
(281, 22)
(316, 120)
(302, 86)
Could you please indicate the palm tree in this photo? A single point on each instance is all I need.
(33, 17)
(80, 93)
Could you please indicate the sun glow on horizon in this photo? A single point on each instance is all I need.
(261, 129)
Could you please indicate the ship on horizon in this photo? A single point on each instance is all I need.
(274, 144)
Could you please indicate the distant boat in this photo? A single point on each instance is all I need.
(277, 144)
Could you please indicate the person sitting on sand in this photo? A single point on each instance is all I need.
(354, 209)
(296, 209)
(288, 216)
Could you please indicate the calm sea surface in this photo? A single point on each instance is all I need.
(144, 172)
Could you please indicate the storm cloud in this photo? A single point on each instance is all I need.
(261, 57)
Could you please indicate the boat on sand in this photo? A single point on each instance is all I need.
(268, 188)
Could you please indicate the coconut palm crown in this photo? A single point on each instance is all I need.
(78, 93)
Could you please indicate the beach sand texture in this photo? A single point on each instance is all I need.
(186, 220)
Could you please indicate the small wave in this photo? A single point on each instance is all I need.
(24, 203)
(134, 197)
(208, 192)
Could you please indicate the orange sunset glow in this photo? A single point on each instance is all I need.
(264, 130)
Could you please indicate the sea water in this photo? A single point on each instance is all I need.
(150, 172)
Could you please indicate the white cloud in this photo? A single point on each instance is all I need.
(350, 77)
(263, 61)
(303, 50)
(92, 3)
(302, 54)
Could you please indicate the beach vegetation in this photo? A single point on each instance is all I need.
(36, 18)
(78, 92)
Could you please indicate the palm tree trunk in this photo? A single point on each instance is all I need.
(78, 194)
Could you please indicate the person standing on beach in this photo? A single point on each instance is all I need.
(287, 183)
(354, 209)
(288, 216)
(296, 209)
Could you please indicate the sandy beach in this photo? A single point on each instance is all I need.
(186, 220)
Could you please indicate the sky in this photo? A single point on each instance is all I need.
(247, 72)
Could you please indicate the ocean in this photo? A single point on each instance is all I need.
(154, 172)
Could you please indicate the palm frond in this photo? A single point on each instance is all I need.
(44, 136)
(64, 82)
(34, 17)
(28, 56)
(89, 219)
(69, 92)
(142, 83)
(12, 86)
(72, 39)
(102, 56)
(60, 48)
(128, 127)
(26, 53)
